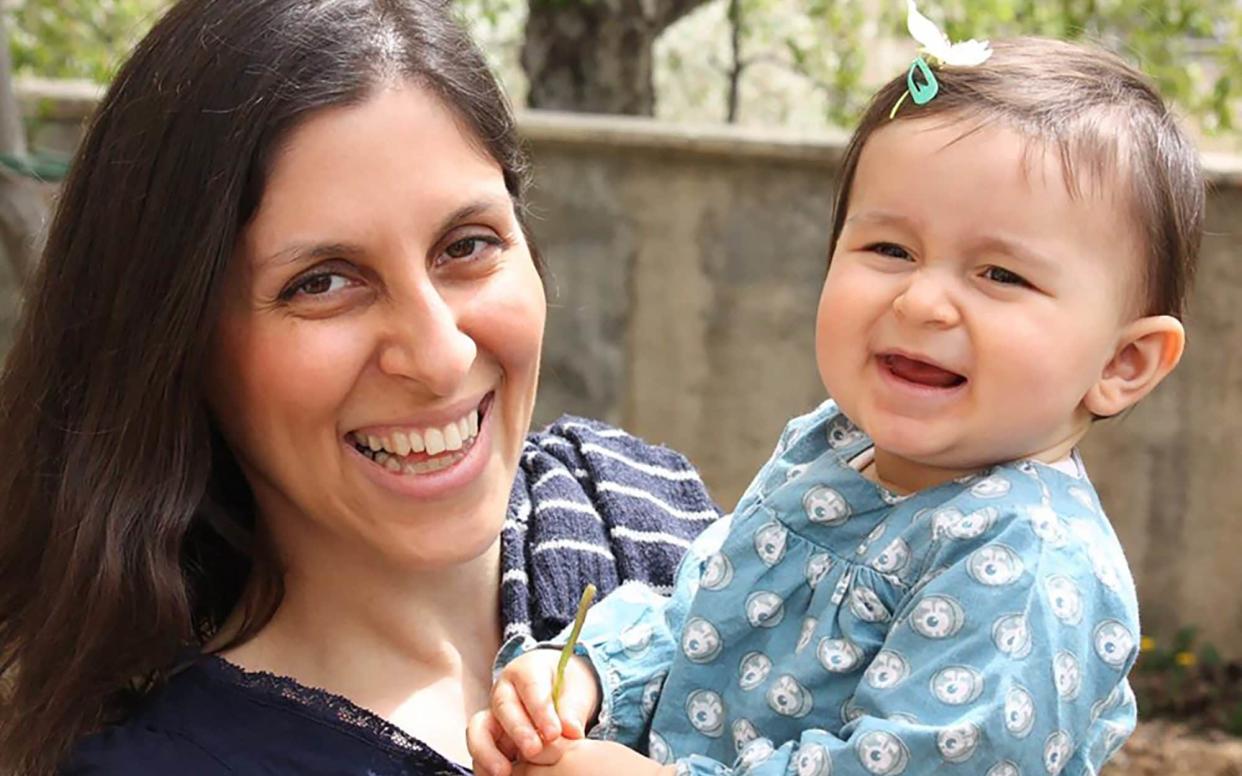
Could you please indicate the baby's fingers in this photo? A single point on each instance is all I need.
(512, 716)
(491, 750)
(534, 687)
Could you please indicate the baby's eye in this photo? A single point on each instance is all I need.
(890, 249)
(1005, 277)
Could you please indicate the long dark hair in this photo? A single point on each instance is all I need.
(126, 529)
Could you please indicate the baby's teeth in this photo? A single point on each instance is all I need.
(452, 437)
(374, 443)
(401, 442)
(472, 422)
(435, 441)
(416, 442)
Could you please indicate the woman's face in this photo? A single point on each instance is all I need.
(375, 362)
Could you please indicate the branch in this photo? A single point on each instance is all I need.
(22, 209)
(670, 11)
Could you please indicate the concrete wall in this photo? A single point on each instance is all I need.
(686, 266)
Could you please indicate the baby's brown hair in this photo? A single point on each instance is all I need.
(1096, 111)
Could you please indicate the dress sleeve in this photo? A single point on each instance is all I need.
(631, 638)
(1009, 657)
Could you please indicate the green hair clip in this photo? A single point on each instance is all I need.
(940, 51)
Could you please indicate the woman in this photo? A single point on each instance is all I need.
(270, 505)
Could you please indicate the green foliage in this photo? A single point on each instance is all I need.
(77, 38)
(795, 53)
(837, 69)
(1187, 680)
(1192, 48)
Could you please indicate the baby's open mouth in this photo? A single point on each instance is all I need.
(423, 450)
(920, 372)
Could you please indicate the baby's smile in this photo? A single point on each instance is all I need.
(919, 371)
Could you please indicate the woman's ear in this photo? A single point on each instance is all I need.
(1147, 351)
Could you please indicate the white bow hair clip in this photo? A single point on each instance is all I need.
(941, 51)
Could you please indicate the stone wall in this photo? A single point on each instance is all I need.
(685, 271)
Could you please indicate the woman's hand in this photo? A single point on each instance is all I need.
(595, 758)
(522, 722)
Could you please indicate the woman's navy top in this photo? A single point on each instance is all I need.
(629, 510)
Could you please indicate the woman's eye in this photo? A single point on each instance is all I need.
(1004, 277)
(891, 250)
(470, 248)
(319, 284)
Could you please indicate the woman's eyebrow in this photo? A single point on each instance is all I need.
(481, 206)
(315, 251)
(310, 251)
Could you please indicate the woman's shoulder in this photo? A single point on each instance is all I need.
(212, 719)
(171, 732)
(142, 748)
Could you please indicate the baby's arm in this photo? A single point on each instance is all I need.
(628, 640)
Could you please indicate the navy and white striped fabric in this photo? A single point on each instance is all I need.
(591, 503)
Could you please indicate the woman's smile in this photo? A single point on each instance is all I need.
(429, 457)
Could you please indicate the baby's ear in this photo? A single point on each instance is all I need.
(1147, 351)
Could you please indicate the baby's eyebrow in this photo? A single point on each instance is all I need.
(1016, 250)
(882, 217)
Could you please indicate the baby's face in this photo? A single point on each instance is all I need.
(972, 302)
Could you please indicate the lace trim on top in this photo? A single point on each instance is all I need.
(331, 708)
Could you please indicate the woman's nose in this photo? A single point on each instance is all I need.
(426, 343)
(926, 301)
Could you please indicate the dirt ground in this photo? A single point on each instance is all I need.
(1168, 749)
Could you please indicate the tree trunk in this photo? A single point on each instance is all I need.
(595, 56)
(23, 211)
(736, 66)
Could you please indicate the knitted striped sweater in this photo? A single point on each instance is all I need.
(593, 504)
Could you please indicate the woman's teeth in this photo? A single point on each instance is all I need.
(437, 447)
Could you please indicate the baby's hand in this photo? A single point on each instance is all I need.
(596, 758)
(522, 721)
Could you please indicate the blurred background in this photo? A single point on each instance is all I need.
(686, 156)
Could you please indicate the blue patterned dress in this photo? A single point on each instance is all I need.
(982, 626)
